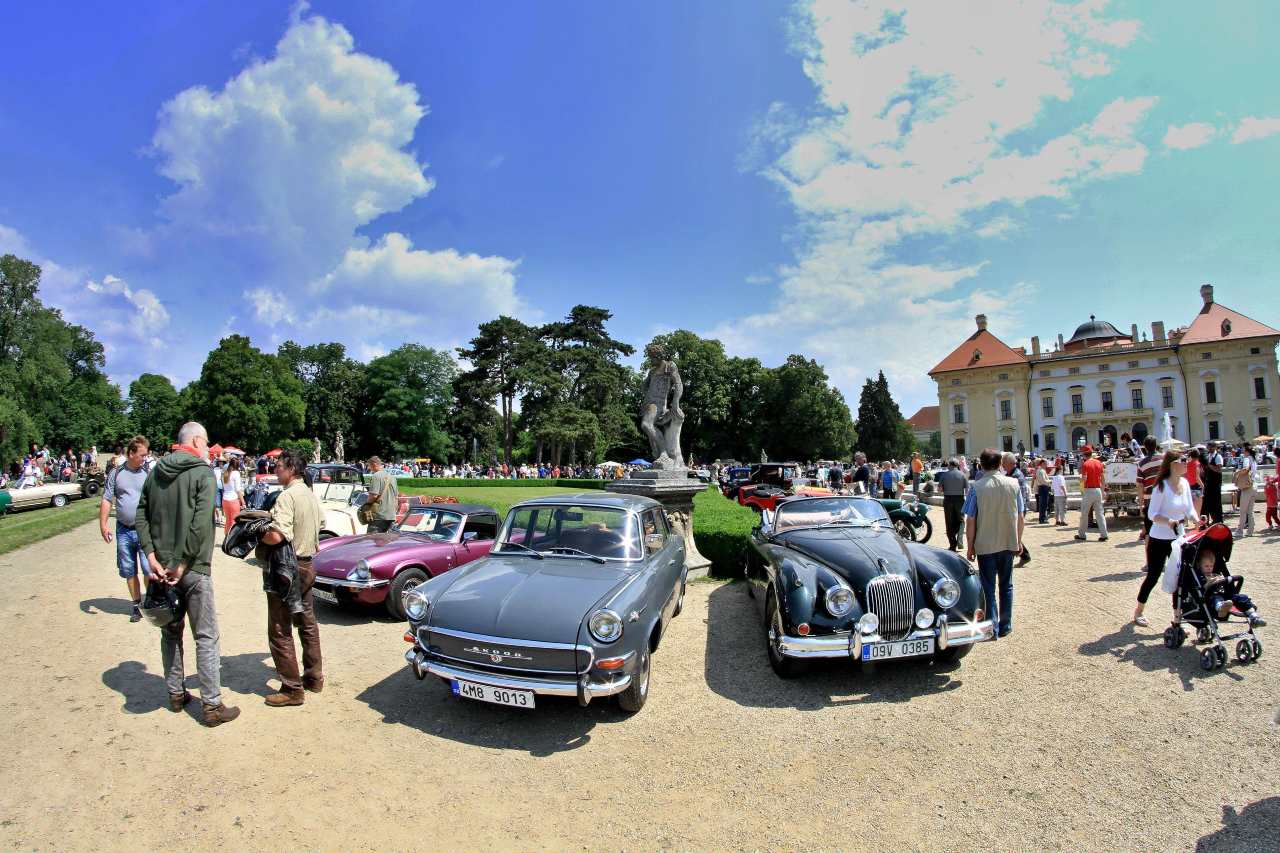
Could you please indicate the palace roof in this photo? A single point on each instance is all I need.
(1219, 323)
(927, 418)
(981, 349)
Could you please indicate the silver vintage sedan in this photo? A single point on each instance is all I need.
(572, 601)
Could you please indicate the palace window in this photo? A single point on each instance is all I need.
(957, 413)
(1108, 404)
(1132, 365)
(1077, 404)
(1006, 410)
(1259, 391)
(1264, 426)
(955, 381)
(1163, 362)
(1073, 370)
(1166, 396)
(960, 447)
(1004, 377)
(1255, 351)
(1046, 407)
(1050, 441)
(1136, 397)
(1205, 356)
(1214, 435)
(1043, 374)
(1211, 392)
(1103, 368)
(1007, 442)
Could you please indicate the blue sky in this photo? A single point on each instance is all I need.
(851, 181)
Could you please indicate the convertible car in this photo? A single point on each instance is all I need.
(51, 493)
(379, 568)
(837, 581)
(572, 601)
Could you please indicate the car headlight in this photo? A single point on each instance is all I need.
(359, 572)
(869, 624)
(416, 604)
(946, 592)
(839, 600)
(605, 626)
(924, 618)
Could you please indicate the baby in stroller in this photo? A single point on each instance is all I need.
(1208, 595)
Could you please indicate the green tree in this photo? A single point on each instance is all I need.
(932, 448)
(154, 409)
(331, 388)
(495, 372)
(882, 431)
(804, 418)
(407, 398)
(739, 435)
(704, 369)
(474, 423)
(246, 397)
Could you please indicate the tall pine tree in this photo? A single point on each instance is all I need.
(882, 431)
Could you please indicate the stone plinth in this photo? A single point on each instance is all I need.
(675, 491)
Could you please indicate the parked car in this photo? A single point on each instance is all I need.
(909, 516)
(51, 494)
(572, 601)
(837, 581)
(775, 475)
(379, 568)
(5, 501)
(761, 498)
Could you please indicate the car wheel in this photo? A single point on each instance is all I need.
(783, 666)
(402, 583)
(928, 530)
(904, 529)
(684, 585)
(633, 698)
(953, 653)
(91, 488)
(59, 500)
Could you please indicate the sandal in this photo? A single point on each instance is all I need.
(1141, 621)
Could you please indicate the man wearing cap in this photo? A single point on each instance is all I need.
(1092, 494)
(1211, 477)
(384, 490)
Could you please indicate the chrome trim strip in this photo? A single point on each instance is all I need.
(369, 584)
(542, 688)
(505, 641)
(849, 643)
(560, 672)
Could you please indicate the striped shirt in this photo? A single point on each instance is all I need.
(1148, 470)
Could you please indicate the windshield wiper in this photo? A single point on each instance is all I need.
(558, 549)
(537, 554)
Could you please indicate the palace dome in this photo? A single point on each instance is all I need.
(1096, 332)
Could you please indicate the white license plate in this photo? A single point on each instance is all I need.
(496, 695)
(897, 649)
(325, 594)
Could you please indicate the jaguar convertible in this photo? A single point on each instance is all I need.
(837, 581)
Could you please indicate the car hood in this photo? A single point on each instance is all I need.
(376, 548)
(856, 553)
(525, 598)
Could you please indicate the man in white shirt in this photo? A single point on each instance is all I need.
(1244, 481)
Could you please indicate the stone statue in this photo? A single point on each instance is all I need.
(338, 449)
(315, 450)
(661, 417)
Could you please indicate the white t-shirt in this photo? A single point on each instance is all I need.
(233, 487)
(1059, 485)
(1176, 506)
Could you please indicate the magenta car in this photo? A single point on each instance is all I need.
(377, 568)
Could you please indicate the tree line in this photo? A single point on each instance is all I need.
(560, 393)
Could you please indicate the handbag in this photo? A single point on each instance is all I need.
(367, 512)
(1243, 478)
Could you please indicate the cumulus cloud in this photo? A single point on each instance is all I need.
(1252, 128)
(152, 314)
(1187, 136)
(925, 125)
(269, 306)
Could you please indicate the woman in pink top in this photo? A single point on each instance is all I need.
(1193, 478)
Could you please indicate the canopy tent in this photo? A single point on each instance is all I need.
(611, 465)
(641, 462)
(216, 449)
(272, 454)
(1173, 444)
(1263, 439)
(230, 451)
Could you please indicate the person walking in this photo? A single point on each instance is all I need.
(1170, 508)
(1044, 488)
(232, 494)
(1244, 483)
(1059, 483)
(954, 484)
(1148, 469)
(1211, 477)
(296, 518)
(888, 481)
(124, 488)
(385, 492)
(1092, 494)
(1009, 464)
(993, 531)
(1272, 491)
(175, 529)
(917, 469)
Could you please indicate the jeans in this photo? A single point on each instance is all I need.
(1060, 508)
(953, 515)
(992, 568)
(1247, 522)
(1042, 503)
(280, 635)
(1092, 499)
(197, 592)
(129, 558)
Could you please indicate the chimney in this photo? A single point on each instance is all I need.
(1206, 293)
(1060, 343)
(1035, 346)
(1157, 331)
(1133, 333)
(981, 320)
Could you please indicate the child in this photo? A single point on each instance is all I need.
(1273, 501)
(1059, 498)
(1223, 590)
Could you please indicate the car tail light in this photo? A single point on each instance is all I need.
(611, 663)
(408, 636)
(803, 629)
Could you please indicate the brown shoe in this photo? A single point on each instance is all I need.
(178, 701)
(315, 685)
(216, 715)
(285, 698)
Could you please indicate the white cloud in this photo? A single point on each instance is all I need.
(1186, 136)
(1252, 128)
(152, 314)
(269, 306)
(927, 122)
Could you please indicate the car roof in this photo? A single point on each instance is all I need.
(636, 503)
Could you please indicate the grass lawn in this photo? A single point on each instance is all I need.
(32, 525)
(501, 498)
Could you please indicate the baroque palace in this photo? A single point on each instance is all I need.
(1215, 379)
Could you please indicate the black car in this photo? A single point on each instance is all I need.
(837, 581)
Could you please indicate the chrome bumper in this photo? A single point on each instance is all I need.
(372, 583)
(584, 689)
(850, 643)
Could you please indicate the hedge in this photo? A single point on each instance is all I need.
(722, 532)
(460, 483)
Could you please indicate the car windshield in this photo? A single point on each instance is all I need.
(432, 523)
(859, 512)
(572, 531)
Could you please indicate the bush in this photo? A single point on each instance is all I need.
(451, 483)
(722, 532)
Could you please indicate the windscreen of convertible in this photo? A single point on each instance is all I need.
(833, 511)
(432, 523)
(572, 531)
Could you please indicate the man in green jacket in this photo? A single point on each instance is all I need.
(175, 529)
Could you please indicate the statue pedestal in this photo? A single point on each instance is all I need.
(675, 491)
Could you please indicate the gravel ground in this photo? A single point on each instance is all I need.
(1078, 732)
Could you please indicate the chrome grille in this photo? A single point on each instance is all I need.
(892, 599)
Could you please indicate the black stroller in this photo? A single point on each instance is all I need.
(1193, 600)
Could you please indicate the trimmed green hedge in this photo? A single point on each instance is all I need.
(722, 532)
(460, 483)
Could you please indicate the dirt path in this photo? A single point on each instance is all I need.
(1076, 733)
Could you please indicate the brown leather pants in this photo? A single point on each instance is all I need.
(280, 634)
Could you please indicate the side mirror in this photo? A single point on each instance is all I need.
(653, 542)
(469, 535)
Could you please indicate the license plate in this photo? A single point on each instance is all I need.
(496, 695)
(897, 649)
(325, 594)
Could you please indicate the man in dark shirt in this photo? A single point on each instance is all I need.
(861, 474)
(954, 484)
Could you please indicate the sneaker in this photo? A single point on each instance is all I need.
(136, 615)
(1256, 621)
(1081, 538)
(1103, 538)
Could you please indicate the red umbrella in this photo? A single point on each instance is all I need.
(272, 454)
(215, 450)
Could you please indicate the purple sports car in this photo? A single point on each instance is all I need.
(381, 567)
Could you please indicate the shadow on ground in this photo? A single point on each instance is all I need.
(113, 606)
(1255, 827)
(352, 614)
(1148, 653)
(556, 725)
(737, 665)
(145, 691)
(1120, 576)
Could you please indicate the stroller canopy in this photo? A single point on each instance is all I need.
(1216, 536)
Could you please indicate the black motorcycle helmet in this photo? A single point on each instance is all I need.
(163, 604)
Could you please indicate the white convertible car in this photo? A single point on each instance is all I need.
(50, 494)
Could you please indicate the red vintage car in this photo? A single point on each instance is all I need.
(767, 497)
(378, 568)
